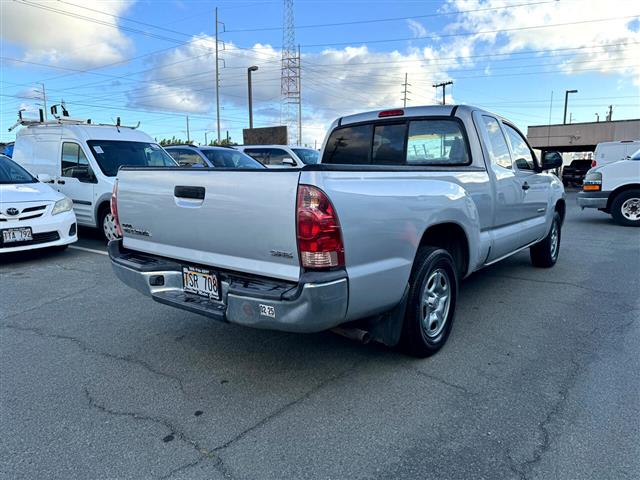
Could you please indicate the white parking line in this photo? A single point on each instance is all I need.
(91, 250)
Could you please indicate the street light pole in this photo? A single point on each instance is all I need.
(566, 99)
(253, 68)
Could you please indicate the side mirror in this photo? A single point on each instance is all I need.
(45, 178)
(551, 160)
(289, 161)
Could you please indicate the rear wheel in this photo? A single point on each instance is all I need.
(108, 225)
(544, 254)
(625, 208)
(431, 304)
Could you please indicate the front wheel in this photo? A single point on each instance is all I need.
(544, 254)
(108, 225)
(433, 288)
(625, 208)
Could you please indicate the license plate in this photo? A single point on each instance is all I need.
(17, 235)
(201, 282)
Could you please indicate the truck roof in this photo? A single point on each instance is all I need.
(426, 110)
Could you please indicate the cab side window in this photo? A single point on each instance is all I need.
(521, 151)
(74, 163)
(267, 156)
(498, 149)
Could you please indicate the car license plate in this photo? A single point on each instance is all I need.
(17, 235)
(201, 282)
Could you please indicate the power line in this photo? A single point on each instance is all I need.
(390, 19)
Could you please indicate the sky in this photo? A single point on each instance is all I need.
(153, 61)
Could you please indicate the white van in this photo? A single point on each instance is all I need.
(81, 161)
(609, 152)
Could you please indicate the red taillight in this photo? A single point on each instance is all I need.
(319, 236)
(391, 113)
(593, 164)
(114, 208)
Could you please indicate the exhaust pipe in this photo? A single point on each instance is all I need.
(356, 334)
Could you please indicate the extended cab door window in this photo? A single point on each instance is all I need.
(522, 154)
(497, 146)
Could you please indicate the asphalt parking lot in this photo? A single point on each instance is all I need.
(540, 379)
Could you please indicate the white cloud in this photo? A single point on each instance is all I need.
(60, 38)
(417, 29)
(622, 59)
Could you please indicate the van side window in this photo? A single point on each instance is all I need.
(521, 151)
(498, 149)
(349, 145)
(436, 142)
(74, 162)
(388, 144)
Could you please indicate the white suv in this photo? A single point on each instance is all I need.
(281, 156)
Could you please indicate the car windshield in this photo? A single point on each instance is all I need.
(636, 155)
(11, 172)
(307, 155)
(113, 154)
(228, 158)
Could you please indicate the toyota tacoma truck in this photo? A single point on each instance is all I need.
(372, 242)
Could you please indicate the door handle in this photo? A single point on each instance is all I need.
(525, 186)
(195, 193)
(61, 182)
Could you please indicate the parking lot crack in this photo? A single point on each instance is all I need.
(90, 350)
(280, 411)
(203, 453)
(524, 468)
(459, 388)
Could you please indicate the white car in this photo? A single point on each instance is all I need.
(32, 214)
(615, 189)
(281, 156)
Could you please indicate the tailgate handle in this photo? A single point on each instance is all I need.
(182, 191)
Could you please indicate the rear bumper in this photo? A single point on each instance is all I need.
(593, 199)
(318, 302)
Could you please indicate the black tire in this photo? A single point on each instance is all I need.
(625, 207)
(544, 254)
(105, 213)
(420, 338)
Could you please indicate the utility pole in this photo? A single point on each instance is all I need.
(443, 85)
(610, 113)
(252, 68)
(217, 80)
(44, 102)
(404, 98)
(299, 97)
(597, 117)
(188, 134)
(566, 99)
(290, 74)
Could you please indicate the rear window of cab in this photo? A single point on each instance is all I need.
(426, 142)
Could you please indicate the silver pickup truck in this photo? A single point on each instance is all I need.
(374, 240)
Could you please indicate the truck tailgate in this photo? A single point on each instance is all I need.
(235, 220)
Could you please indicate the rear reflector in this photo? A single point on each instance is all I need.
(319, 235)
(593, 164)
(114, 208)
(391, 113)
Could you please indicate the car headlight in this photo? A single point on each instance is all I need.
(61, 206)
(592, 182)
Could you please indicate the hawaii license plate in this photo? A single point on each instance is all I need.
(22, 234)
(201, 281)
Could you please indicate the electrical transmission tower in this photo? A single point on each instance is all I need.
(290, 77)
(405, 91)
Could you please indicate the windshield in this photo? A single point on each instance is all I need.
(307, 155)
(11, 172)
(227, 158)
(113, 154)
(636, 156)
